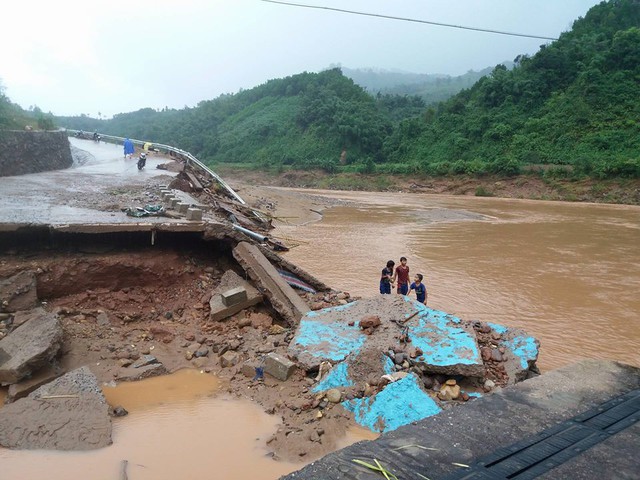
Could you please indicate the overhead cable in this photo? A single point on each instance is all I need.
(414, 20)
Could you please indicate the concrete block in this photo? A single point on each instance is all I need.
(183, 207)
(166, 194)
(229, 359)
(278, 366)
(230, 281)
(234, 296)
(194, 214)
(175, 202)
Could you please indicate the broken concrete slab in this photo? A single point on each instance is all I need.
(69, 413)
(131, 374)
(230, 281)
(18, 292)
(332, 339)
(195, 183)
(521, 352)
(25, 387)
(400, 403)
(278, 366)
(331, 334)
(29, 347)
(283, 298)
(144, 360)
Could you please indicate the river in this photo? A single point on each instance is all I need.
(567, 273)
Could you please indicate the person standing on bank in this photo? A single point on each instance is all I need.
(385, 278)
(420, 288)
(402, 276)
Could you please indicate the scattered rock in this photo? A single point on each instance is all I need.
(29, 347)
(229, 359)
(449, 391)
(19, 292)
(334, 395)
(118, 411)
(69, 413)
(132, 374)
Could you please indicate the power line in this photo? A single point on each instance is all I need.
(414, 20)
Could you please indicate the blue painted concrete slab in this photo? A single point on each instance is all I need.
(449, 347)
(442, 339)
(400, 403)
(521, 345)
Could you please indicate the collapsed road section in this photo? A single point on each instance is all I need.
(163, 279)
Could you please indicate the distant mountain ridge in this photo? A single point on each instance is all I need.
(431, 87)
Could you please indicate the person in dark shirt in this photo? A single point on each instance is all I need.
(420, 288)
(385, 277)
(402, 275)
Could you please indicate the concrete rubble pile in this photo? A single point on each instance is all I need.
(395, 361)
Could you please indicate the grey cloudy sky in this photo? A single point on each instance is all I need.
(113, 56)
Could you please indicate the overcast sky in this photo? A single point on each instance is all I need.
(111, 56)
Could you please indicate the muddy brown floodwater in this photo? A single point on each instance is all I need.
(567, 273)
(179, 426)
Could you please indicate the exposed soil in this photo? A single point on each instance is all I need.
(117, 304)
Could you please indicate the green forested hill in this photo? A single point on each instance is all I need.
(305, 120)
(13, 117)
(574, 106)
(576, 102)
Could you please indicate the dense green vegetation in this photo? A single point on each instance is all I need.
(572, 109)
(12, 116)
(574, 104)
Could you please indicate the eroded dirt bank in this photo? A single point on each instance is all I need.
(120, 305)
(530, 186)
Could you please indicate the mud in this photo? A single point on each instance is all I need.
(118, 305)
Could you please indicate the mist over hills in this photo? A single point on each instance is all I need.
(432, 88)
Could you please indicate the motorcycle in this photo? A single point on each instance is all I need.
(142, 160)
(96, 137)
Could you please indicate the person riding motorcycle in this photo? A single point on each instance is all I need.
(96, 136)
(142, 160)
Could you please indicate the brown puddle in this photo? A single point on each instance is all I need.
(178, 426)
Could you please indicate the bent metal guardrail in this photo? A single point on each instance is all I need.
(183, 154)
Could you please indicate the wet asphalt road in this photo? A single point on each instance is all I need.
(80, 194)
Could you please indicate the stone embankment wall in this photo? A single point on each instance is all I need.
(31, 152)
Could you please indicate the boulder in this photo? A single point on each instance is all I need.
(19, 292)
(69, 413)
(29, 347)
